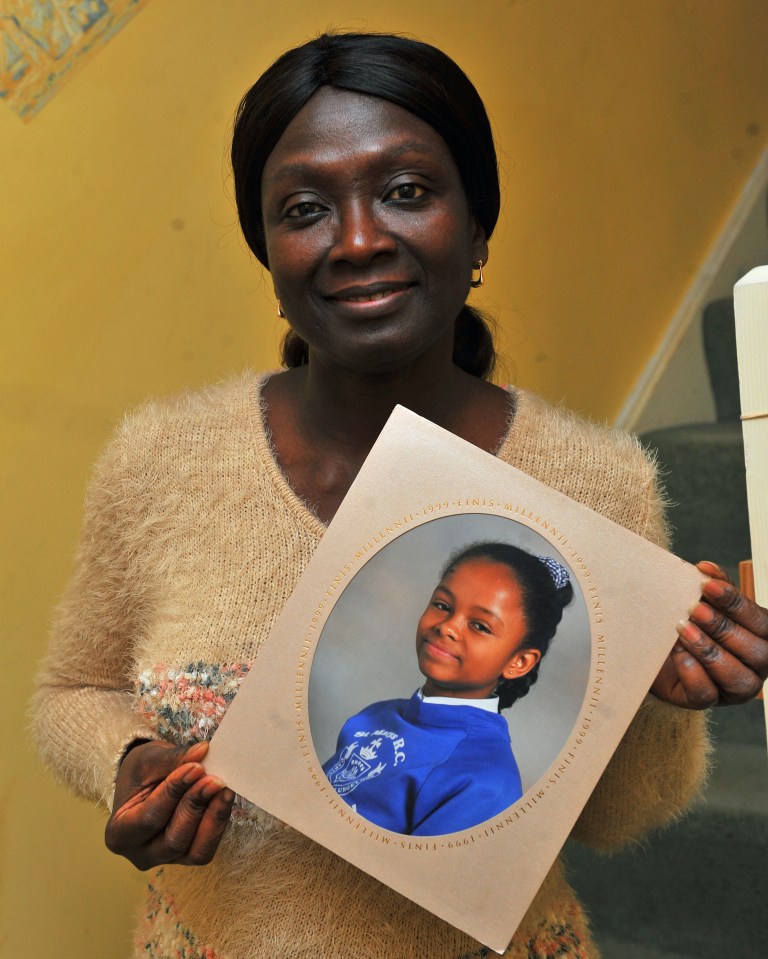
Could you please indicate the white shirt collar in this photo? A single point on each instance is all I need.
(490, 705)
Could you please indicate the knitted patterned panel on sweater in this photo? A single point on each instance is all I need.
(192, 543)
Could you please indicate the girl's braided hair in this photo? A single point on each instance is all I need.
(546, 589)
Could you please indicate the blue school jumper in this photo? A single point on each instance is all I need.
(425, 769)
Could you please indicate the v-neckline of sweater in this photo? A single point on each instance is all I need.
(266, 452)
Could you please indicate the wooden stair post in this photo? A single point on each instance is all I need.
(750, 297)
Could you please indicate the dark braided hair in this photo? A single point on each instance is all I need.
(543, 604)
(413, 75)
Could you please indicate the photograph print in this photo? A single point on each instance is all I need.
(449, 674)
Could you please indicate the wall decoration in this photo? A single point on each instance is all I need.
(42, 42)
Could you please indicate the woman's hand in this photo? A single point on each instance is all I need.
(167, 809)
(721, 655)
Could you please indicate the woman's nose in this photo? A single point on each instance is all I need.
(361, 234)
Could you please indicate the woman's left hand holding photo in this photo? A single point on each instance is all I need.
(721, 655)
(166, 808)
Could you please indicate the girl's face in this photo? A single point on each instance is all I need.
(469, 636)
(368, 230)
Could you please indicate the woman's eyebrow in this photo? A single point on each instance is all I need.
(411, 146)
(310, 165)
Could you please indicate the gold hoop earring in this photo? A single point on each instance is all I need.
(280, 311)
(479, 281)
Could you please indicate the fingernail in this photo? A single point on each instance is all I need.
(197, 750)
(685, 629)
(213, 786)
(192, 774)
(700, 611)
(715, 588)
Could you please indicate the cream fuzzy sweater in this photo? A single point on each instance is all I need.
(192, 542)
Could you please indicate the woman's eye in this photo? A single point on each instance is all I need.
(439, 604)
(480, 627)
(305, 208)
(407, 191)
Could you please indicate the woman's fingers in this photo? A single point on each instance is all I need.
(149, 810)
(744, 642)
(721, 656)
(212, 826)
(193, 835)
(709, 672)
(688, 684)
(735, 606)
(182, 821)
(713, 570)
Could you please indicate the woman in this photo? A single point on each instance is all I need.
(366, 182)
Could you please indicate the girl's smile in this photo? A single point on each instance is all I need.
(469, 636)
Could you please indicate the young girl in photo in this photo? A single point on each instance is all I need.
(442, 760)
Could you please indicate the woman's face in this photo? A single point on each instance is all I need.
(368, 231)
(469, 636)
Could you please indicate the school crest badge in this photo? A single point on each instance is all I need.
(355, 766)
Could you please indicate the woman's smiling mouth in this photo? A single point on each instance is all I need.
(387, 293)
(365, 299)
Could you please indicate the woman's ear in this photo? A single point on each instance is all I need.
(521, 663)
(479, 244)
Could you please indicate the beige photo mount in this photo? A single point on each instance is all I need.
(633, 593)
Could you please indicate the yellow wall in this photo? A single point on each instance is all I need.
(626, 131)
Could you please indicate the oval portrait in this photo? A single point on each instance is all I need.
(449, 674)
